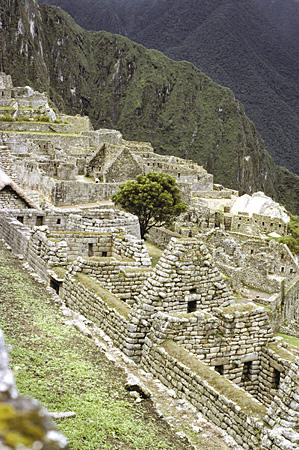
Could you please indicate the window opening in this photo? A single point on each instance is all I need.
(54, 284)
(276, 379)
(192, 305)
(39, 221)
(219, 369)
(90, 250)
(246, 371)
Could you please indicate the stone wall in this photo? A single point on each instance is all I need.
(184, 280)
(107, 311)
(276, 362)
(258, 224)
(286, 312)
(282, 415)
(68, 192)
(161, 236)
(85, 244)
(121, 277)
(290, 305)
(33, 245)
(15, 234)
(251, 261)
(229, 340)
(89, 220)
(226, 405)
(129, 247)
(9, 199)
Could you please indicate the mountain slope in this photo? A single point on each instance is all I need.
(141, 92)
(239, 44)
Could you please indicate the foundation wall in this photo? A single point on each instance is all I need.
(222, 411)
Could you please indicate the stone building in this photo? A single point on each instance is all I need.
(11, 196)
(177, 320)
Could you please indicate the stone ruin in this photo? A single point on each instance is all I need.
(179, 320)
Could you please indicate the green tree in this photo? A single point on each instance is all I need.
(154, 198)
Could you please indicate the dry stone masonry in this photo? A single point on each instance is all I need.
(178, 320)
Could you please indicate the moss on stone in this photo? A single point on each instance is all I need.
(233, 393)
(19, 428)
(111, 300)
(283, 353)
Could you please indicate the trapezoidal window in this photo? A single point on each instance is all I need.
(192, 305)
(246, 371)
(90, 250)
(54, 284)
(276, 378)
(58, 221)
(219, 369)
(20, 219)
(104, 254)
(39, 221)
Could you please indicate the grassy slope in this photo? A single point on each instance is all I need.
(143, 93)
(66, 372)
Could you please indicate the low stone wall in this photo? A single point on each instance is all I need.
(129, 247)
(85, 295)
(68, 192)
(15, 234)
(161, 236)
(226, 405)
(85, 244)
(33, 245)
(90, 220)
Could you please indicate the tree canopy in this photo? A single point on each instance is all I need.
(154, 198)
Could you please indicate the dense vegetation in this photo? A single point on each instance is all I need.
(144, 94)
(292, 239)
(251, 46)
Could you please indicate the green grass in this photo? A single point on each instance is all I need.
(154, 252)
(60, 271)
(292, 340)
(282, 353)
(66, 372)
(218, 382)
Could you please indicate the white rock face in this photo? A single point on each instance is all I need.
(259, 203)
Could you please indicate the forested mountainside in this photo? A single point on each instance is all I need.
(251, 46)
(284, 15)
(147, 96)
